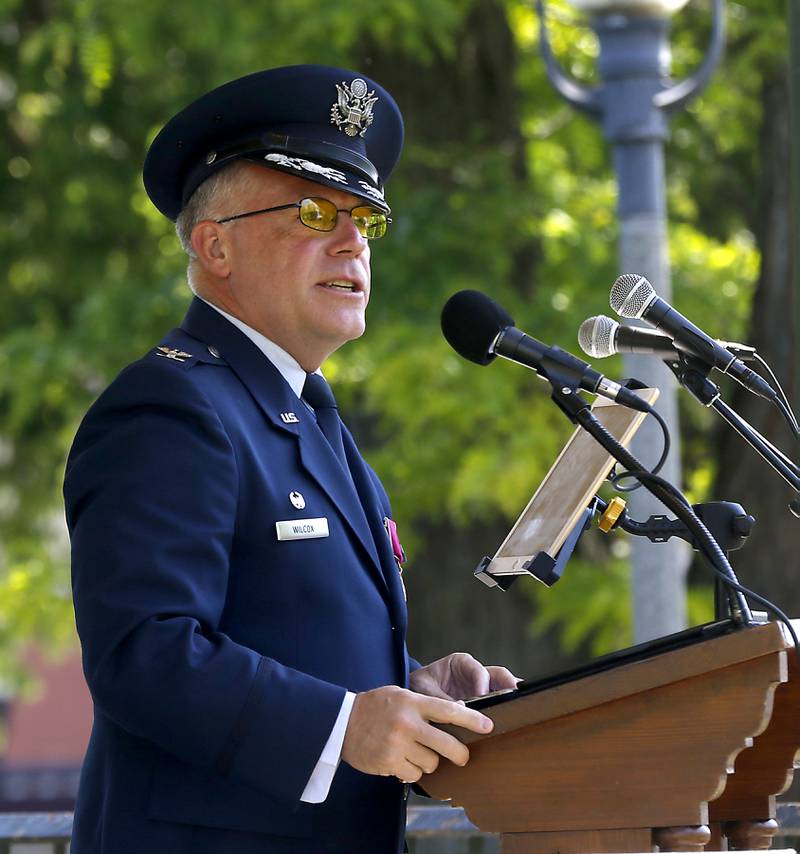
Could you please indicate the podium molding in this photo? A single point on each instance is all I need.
(684, 750)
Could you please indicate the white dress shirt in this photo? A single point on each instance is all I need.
(319, 784)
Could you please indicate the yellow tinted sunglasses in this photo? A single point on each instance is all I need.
(322, 214)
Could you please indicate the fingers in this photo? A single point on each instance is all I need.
(423, 682)
(443, 744)
(470, 677)
(433, 690)
(423, 758)
(408, 773)
(501, 678)
(389, 732)
(448, 712)
(459, 676)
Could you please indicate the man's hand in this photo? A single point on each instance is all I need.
(459, 676)
(389, 733)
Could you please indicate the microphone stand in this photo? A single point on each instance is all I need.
(693, 376)
(578, 411)
(728, 523)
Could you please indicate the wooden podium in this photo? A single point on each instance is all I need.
(677, 745)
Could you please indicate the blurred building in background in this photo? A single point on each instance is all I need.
(46, 737)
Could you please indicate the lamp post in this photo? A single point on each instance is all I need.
(633, 103)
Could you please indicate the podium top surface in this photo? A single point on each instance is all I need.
(629, 655)
(684, 655)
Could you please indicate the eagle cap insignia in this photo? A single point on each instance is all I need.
(352, 112)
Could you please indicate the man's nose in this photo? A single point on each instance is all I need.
(348, 237)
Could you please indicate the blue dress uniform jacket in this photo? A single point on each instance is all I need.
(218, 655)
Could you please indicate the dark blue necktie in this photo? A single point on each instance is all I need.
(318, 395)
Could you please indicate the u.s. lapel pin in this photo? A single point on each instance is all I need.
(289, 418)
(298, 502)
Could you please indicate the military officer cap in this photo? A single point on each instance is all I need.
(327, 125)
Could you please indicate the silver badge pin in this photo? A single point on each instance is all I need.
(289, 418)
(173, 353)
(298, 502)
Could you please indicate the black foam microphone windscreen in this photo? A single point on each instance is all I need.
(471, 322)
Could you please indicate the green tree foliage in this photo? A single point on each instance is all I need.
(501, 188)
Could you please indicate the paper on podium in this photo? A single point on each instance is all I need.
(563, 496)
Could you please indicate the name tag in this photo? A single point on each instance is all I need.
(302, 529)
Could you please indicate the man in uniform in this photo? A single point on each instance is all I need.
(235, 563)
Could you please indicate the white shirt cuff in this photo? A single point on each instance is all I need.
(319, 784)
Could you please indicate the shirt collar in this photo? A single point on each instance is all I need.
(288, 367)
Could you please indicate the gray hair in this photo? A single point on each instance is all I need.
(211, 200)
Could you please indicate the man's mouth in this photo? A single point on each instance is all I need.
(341, 285)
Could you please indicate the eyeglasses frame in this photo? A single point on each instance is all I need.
(299, 205)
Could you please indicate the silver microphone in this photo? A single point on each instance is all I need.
(601, 336)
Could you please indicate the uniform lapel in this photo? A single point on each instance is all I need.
(321, 462)
(374, 513)
(286, 412)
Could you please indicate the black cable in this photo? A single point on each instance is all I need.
(730, 583)
(667, 495)
(696, 381)
(788, 415)
(770, 606)
(785, 467)
(764, 364)
(614, 477)
(667, 442)
(645, 474)
(783, 401)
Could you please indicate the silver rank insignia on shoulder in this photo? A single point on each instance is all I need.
(298, 502)
(289, 418)
(173, 353)
(352, 112)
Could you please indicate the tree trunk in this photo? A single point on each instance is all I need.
(770, 560)
(469, 100)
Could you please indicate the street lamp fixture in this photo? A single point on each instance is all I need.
(649, 8)
(632, 32)
(633, 101)
(636, 95)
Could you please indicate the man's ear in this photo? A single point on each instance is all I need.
(210, 244)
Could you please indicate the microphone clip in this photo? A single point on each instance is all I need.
(568, 400)
(692, 373)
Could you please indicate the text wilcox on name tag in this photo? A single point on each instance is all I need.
(302, 529)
